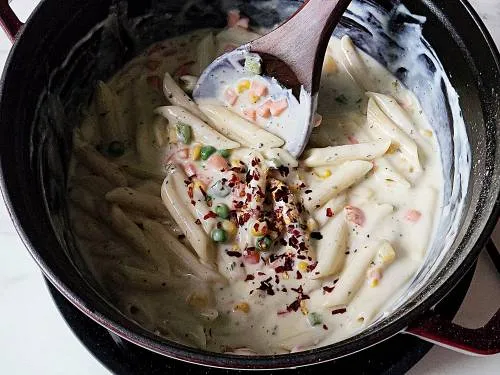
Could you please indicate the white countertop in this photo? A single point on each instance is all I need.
(34, 339)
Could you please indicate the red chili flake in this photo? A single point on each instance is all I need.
(276, 279)
(284, 171)
(261, 273)
(311, 267)
(308, 191)
(299, 275)
(198, 221)
(266, 286)
(294, 306)
(339, 311)
(325, 327)
(193, 202)
(301, 257)
(284, 290)
(328, 289)
(209, 215)
(181, 236)
(236, 254)
(249, 277)
(329, 212)
(282, 312)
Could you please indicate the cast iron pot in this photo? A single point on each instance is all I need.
(35, 136)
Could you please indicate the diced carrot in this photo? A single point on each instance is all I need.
(258, 88)
(413, 215)
(265, 109)
(190, 169)
(251, 256)
(278, 106)
(153, 64)
(250, 114)
(184, 69)
(155, 82)
(243, 23)
(230, 96)
(233, 16)
(183, 153)
(352, 140)
(355, 215)
(217, 162)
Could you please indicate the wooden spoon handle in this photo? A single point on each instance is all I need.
(301, 41)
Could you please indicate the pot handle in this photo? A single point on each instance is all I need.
(8, 20)
(438, 330)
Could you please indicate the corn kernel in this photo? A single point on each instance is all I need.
(197, 300)
(253, 98)
(236, 247)
(243, 86)
(303, 266)
(329, 65)
(312, 225)
(229, 227)
(235, 163)
(242, 306)
(196, 152)
(198, 184)
(303, 307)
(323, 173)
(373, 283)
(386, 254)
(285, 275)
(392, 149)
(427, 132)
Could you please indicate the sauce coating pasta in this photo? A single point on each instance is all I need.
(203, 229)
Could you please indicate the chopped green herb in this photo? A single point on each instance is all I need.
(184, 133)
(314, 318)
(342, 99)
(206, 152)
(116, 149)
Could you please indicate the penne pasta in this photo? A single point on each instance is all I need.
(176, 96)
(317, 157)
(86, 226)
(184, 256)
(146, 142)
(109, 116)
(149, 187)
(129, 231)
(394, 111)
(99, 165)
(178, 207)
(353, 63)
(383, 125)
(330, 250)
(330, 209)
(97, 185)
(202, 132)
(353, 275)
(239, 129)
(282, 155)
(387, 174)
(205, 53)
(344, 176)
(131, 199)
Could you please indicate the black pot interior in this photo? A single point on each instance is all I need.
(40, 105)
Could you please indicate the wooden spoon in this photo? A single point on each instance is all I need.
(293, 53)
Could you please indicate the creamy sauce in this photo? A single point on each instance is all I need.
(346, 233)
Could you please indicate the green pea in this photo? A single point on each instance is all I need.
(224, 153)
(116, 149)
(264, 243)
(314, 318)
(184, 133)
(207, 151)
(222, 211)
(219, 235)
